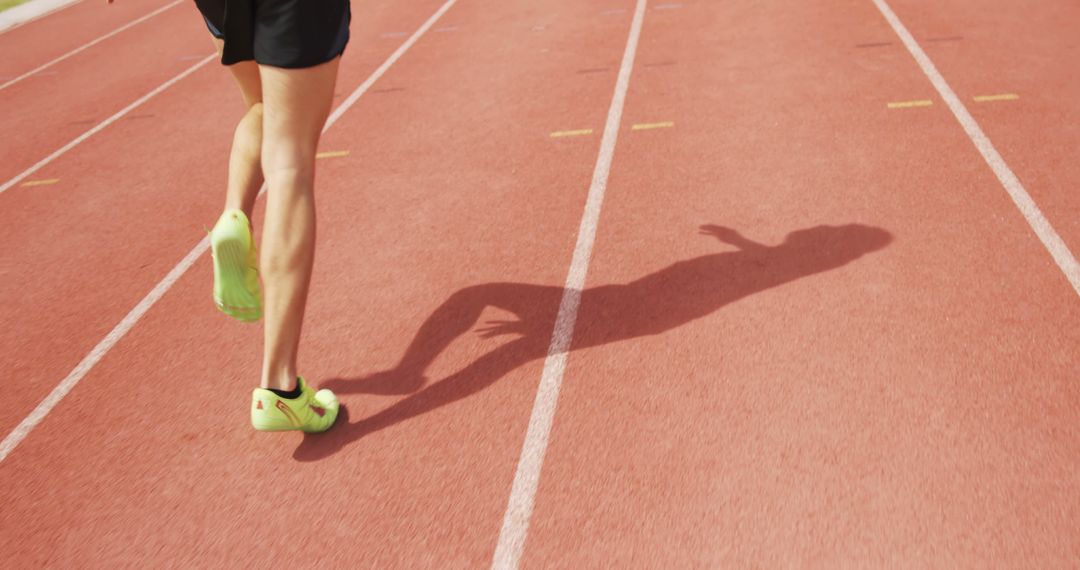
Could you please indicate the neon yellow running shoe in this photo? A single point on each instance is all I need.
(237, 292)
(311, 412)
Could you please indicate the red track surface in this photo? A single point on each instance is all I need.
(892, 381)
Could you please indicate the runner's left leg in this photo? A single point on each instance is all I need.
(245, 163)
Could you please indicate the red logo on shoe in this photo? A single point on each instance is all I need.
(259, 405)
(318, 410)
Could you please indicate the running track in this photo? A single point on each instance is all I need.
(815, 330)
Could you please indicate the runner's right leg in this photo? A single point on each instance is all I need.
(297, 102)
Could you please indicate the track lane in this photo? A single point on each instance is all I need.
(1001, 47)
(451, 183)
(44, 67)
(726, 408)
(37, 42)
(86, 89)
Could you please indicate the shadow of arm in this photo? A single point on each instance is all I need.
(730, 236)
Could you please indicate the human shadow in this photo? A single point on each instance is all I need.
(658, 302)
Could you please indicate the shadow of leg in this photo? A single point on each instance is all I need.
(468, 381)
(385, 383)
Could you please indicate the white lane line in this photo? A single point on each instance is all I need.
(1049, 237)
(89, 44)
(400, 51)
(515, 525)
(30, 11)
(79, 372)
(119, 114)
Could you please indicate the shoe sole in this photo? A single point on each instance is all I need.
(230, 294)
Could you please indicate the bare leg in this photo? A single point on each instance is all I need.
(245, 168)
(296, 103)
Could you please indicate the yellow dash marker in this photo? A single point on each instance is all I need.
(647, 126)
(577, 133)
(332, 154)
(908, 104)
(1001, 97)
(41, 182)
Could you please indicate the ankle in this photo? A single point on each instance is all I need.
(289, 394)
(286, 381)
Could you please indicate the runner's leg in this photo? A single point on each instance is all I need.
(245, 167)
(296, 103)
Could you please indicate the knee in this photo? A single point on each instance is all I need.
(287, 158)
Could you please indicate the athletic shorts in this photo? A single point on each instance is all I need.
(281, 33)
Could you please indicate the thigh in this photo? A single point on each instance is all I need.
(296, 103)
(246, 75)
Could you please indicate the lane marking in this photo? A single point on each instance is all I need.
(515, 525)
(649, 126)
(45, 182)
(577, 133)
(998, 97)
(613, 11)
(119, 114)
(667, 6)
(1049, 237)
(332, 154)
(90, 44)
(24, 428)
(27, 12)
(445, 29)
(394, 35)
(910, 104)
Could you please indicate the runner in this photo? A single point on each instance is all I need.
(284, 56)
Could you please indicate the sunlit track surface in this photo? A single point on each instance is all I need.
(815, 330)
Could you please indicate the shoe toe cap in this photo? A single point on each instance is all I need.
(326, 399)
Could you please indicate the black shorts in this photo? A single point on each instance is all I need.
(281, 33)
